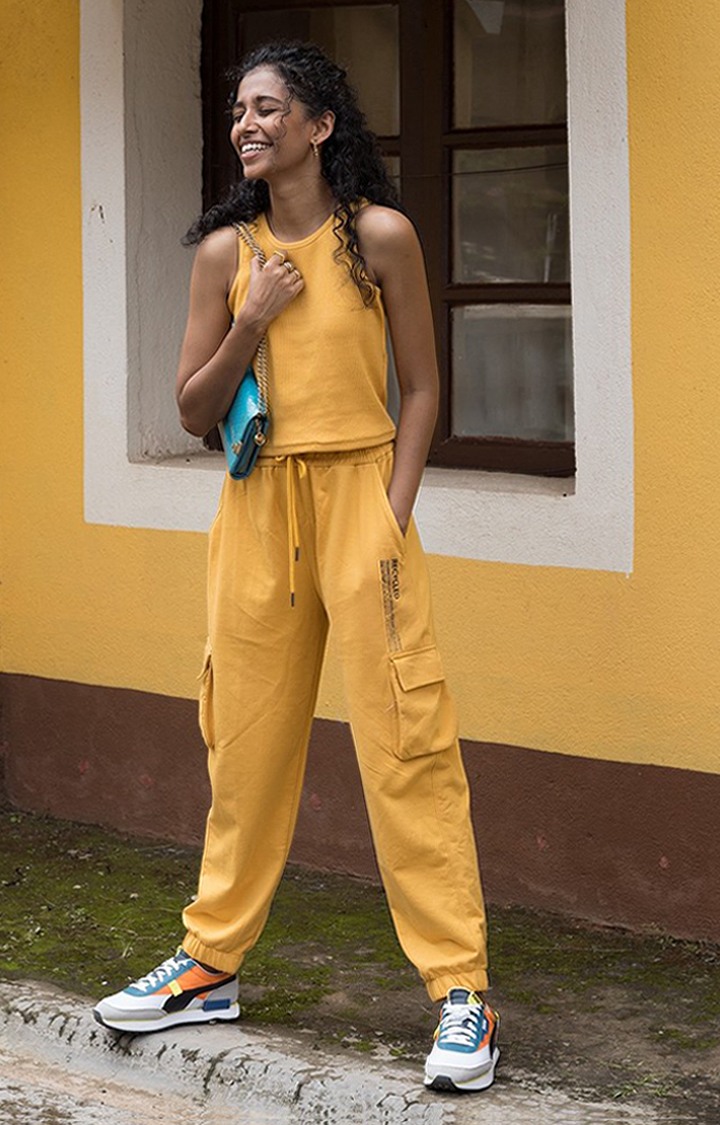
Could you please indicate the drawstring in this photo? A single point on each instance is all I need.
(296, 467)
(292, 462)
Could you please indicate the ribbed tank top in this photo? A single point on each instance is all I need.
(327, 351)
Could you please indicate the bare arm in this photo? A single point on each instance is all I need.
(216, 352)
(394, 258)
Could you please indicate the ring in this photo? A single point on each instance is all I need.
(279, 254)
(289, 267)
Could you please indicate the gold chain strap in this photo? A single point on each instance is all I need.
(261, 365)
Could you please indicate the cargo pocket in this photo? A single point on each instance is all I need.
(427, 720)
(205, 704)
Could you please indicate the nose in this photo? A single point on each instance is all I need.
(247, 123)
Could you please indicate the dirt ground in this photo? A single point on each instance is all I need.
(597, 1012)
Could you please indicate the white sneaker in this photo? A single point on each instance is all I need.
(181, 990)
(465, 1052)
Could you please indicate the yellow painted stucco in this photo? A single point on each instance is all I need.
(586, 663)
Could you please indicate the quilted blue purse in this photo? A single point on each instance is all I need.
(244, 429)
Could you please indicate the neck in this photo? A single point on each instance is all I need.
(298, 209)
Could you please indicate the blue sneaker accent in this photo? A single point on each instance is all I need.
(215, 1005)
(171, 969)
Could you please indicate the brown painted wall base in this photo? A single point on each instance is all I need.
(631, 845)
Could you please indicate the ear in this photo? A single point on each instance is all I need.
(324, 125)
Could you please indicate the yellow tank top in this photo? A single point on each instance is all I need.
(327, 351)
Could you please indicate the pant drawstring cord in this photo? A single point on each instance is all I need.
(293, 463)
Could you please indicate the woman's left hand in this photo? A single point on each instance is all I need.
(400, 511)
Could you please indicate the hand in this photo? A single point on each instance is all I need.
(272, 287)
(402, 516)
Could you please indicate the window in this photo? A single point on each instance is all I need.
(468, 98)
(504, 293)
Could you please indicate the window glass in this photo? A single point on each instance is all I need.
(512, 372)
(510, 215)
(392, 163)
(509, 62)
(362, 38)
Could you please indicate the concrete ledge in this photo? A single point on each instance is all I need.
(271, 1077)
(222, 1064)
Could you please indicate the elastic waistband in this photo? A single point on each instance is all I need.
(330, 457)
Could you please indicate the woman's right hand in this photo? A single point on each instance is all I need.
(215, 353)
(271, 289)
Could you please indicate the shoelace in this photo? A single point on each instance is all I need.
(461, 1024)
(159, 975)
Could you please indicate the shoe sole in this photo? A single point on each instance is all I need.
(455, 1085)
(173, 1019)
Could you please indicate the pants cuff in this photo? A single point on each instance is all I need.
(438, 987)
(224, 962)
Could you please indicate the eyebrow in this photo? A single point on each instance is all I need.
(259, 98)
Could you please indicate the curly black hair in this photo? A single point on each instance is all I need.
(351, 161)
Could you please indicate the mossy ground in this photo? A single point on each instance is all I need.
(592, 1009)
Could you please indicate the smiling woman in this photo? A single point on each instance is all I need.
(268, 122)
(325, 532)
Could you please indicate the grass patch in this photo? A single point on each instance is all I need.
(90, 910)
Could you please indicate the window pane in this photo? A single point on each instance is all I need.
(363, 39)
(509, 65)
(512, 372)
(510, 214)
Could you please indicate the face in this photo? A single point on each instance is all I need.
(271, 132)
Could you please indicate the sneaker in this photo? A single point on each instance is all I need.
(181, 990)
(465, 1053)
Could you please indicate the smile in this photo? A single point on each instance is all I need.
(253, 146)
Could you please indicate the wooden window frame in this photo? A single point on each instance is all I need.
(425, 146)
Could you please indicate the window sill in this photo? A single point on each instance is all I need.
(475, 480)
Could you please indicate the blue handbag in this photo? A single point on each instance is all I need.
(244, 429)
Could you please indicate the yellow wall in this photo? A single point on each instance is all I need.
(592, 664)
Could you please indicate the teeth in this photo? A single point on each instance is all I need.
(254, 147)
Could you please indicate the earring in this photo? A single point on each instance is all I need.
(315, 147)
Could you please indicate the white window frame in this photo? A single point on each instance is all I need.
(141, 185)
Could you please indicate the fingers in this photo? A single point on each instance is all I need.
(285, 262)
(274, 285)
(280, 272)
(278, 261)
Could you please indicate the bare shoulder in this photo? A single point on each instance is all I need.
(216, 259)
(388, 243)
(382, 229)
(218, 248)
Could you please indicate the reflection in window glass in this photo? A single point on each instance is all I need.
(512, 372)
(510, 215)
(509, 62)
(392, 163)
(362, 38)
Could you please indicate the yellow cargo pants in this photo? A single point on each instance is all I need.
(320, 527)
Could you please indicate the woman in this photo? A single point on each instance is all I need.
(321, 535)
